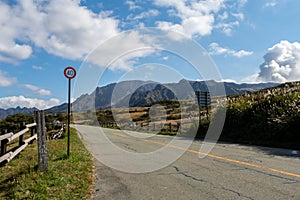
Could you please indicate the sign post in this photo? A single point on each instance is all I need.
(203, 99)
(69, 73)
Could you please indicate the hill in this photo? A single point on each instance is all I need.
(268, 117)
(139, 93)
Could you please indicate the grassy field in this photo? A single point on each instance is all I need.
(67, 178)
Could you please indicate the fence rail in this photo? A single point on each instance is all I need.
(145, 126)
(8, 137)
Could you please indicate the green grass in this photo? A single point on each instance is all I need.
(67, 178)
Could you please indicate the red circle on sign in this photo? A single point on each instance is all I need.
(70, 72)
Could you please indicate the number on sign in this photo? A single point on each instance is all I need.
(70, 72)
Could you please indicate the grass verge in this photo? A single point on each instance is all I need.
(67, 178)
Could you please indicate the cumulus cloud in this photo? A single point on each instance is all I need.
(136, 46)
(281, 63)
(196, 18)
(216, 49)
(39, 91)
(199, 18)
(6, 80)
(70, 33)
(14, 101)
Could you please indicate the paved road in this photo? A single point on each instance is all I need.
(228, 172)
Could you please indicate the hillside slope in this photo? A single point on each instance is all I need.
(138, 93)
(268, 117)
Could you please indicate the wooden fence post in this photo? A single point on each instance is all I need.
(32, 132)
(21, 138)
(4, 144)
(41, 135)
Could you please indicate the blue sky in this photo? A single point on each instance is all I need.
(249, 41)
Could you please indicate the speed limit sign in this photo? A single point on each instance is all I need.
(70, 72)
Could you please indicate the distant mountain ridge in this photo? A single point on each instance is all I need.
(138, 93)
(12, 111)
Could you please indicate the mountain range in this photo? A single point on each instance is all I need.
(11, 111)
(138, 93)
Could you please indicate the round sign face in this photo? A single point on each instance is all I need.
(70, 72)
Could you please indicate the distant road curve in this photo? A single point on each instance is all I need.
(230, 171)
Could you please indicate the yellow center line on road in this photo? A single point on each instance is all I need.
(261, 167)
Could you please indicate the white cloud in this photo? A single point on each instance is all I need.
(241, 3)
(272, 3)
(200, 18)
(70, 33)
(197, 17)
(137, 45)
(165, 58)
(227, 27)
(229, 80)
(44, 92)
(143, 15)
(5, 80)
(37, 67)
(239, 16)
(132, 5)
(216, 49)
(31, 87)
(251, 79)
(223, 16)
(11, 25)
(282, 63)
(14, 101)
(39, 91)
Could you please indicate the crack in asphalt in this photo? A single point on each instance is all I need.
(237, 193)
(201, 180)
(186, 175)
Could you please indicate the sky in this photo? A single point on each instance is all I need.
(247, 40)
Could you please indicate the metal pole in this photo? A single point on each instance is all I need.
(207, 104)
(198, 95)
(69, 110)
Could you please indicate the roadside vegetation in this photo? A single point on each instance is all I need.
(270, 117)
(67, 178)
(12, 122)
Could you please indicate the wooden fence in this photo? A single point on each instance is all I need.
(5, 139)
(160, 127)
(37, 132)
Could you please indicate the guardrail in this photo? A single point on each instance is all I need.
(8, 137)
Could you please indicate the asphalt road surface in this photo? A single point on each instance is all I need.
(229, 171)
